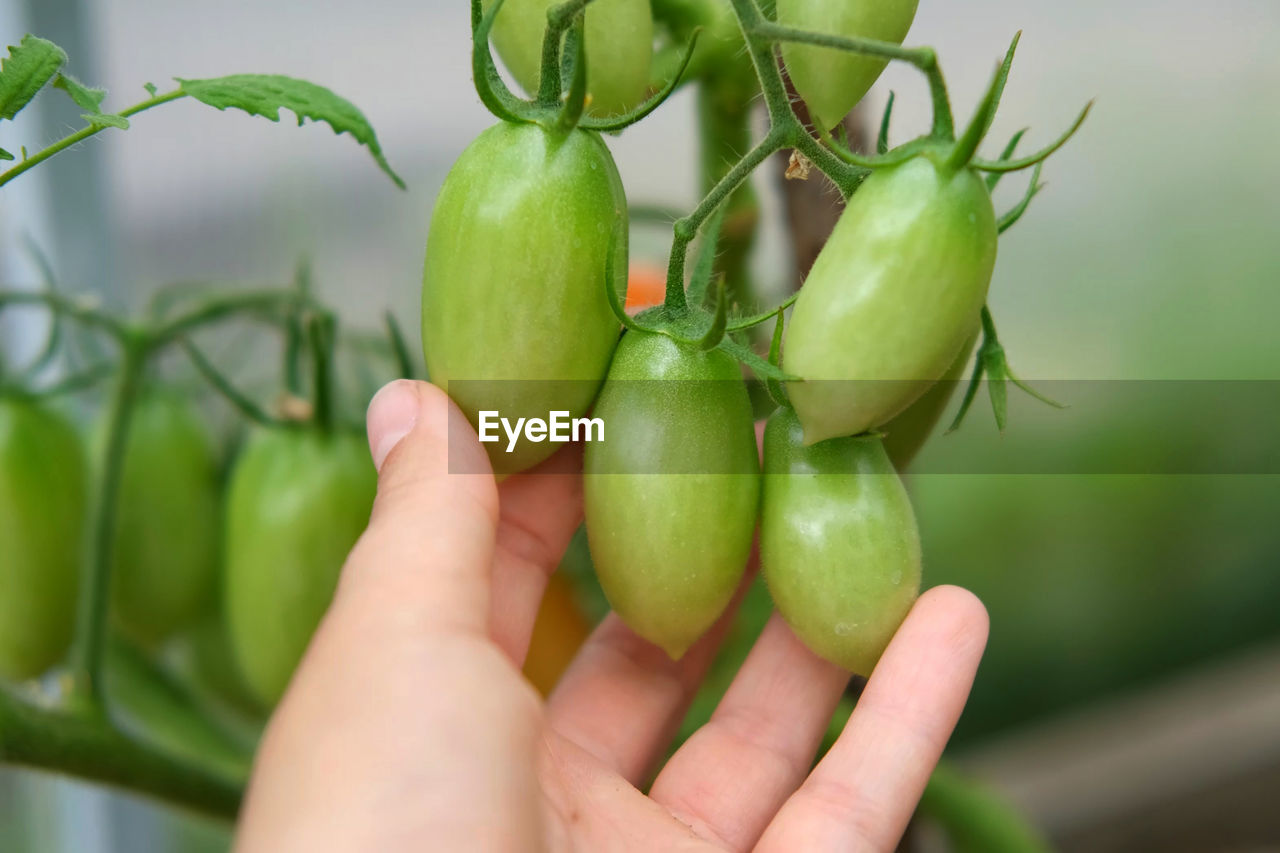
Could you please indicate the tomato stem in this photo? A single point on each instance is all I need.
(93, 601)
(84, 133)
(91, 747)
(559, 19)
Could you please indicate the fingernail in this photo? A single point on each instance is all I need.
(393, 411)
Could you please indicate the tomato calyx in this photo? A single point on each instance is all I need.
(689, 321)
(562, 91)
(994, 364)
(952, 154)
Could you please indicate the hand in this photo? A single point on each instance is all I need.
(408, 725)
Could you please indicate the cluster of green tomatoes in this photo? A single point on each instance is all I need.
(526, 267)
(237, 572)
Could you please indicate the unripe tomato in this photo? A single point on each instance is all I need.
(513, 284)
(299, 499)
(619, 43)
(839, 546)
(43, 483)
(832, 81)
(907, 433)
(671, 493)
(168, 525)
(891, 298)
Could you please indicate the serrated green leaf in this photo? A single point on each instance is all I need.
(28, 67)
(5, 155)
(151, 89)
(86, 98)
(106, 120)
(264, 95)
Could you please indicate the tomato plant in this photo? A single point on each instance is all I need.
(168, 525)
(43, 492)
(839, 546)
(523, 315)
(670, 495)
(298, 500)
(832, 81)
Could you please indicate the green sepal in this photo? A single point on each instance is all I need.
(882, 139)
(994, 177)
(777, 391)
(759, 366)
(399, 348)
(740, 323)
(994, 364)
(617, 123)
(1039, 156)
(967, 146)
(1010, 218)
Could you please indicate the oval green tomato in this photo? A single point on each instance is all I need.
(832, 81)
(298, 500)
(619, 43)
(891, 298)
(515, 318)
(839, 546)
(907, 433)
(168, 524)
(671, 493)
(43, 484)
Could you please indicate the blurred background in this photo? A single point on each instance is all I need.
(1130, 697)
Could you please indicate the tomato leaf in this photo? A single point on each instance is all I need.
(5, 155)
(264, 95)
(106, 120)
(25, 71)
(86, 97)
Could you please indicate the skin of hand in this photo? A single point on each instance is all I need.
(409, 726)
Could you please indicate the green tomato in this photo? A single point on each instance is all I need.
(832, 81)
(299, 499)
(515, 317)
(839, 546)
(43, 484)
(671, 493)
(619, 44)
(165, 555)
(907, 433)
(892, 297)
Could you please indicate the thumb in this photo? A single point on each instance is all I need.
(428, 550)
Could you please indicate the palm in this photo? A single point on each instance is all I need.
(412, 711)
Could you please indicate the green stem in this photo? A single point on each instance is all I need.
(88, 746)
(95, 578)
(77, 309)
(687, 228)
(724, 132)
(322, 333)
(558, 20)
(923, 58)
(84, 133)
(223, 307)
